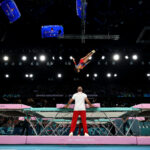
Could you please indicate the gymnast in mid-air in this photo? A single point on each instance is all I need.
(83, 61)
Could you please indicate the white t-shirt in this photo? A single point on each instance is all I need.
(79, 101)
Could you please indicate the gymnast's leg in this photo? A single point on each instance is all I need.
(86, 58)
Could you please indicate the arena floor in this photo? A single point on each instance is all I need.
(72, 147)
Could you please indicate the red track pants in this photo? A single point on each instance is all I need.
(75, 118)
(80, 126)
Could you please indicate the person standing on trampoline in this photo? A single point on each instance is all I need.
(80, 98)
(83, 61)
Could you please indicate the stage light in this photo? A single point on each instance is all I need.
(90, 58)
(134, 57)
(148, 74)
(60, 57)
(59, 75)
(31, 75)
(5, 58)
(103, 57)
(126, 57)
(108, 75)
(24, 58)
(26, 75)
(87, 75)
(53, 58)
(116, 57)
(35, 58)
(6, 75)
(42, 58)
(71, 57)
(115, 75)
(95, 75)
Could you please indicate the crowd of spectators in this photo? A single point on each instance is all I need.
(66, 90)
(52, 102)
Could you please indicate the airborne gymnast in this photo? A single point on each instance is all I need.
(83, 61)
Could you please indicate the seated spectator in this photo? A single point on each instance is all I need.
(30, 102)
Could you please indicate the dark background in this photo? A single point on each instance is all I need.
(125, 18)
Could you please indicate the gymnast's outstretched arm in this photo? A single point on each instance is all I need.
(76, 67)
(74, 61)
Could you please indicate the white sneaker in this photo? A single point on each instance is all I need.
(71, 134)
(86, 134)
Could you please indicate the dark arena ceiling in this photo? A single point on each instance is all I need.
(126, 18)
